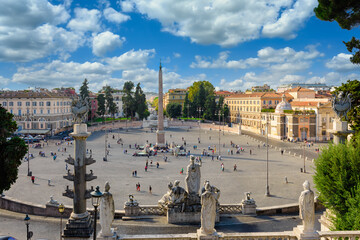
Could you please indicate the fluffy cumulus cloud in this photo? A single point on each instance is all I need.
(105, 42)
(226, 22)
(283, 59)
(132, 64)
(290, 20)
(34, 33)
(85, 20)
(114, 16)
(130, 60)
(341, 62)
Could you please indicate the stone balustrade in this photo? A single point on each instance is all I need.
(287, 235)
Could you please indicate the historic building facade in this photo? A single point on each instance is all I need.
(297, 114)
(176, 95)
(40, 111)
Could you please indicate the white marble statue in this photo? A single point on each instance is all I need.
(307, 208)
(209, 201)
(193, 177)
(107, 212)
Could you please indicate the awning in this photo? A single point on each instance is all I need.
(34, 131)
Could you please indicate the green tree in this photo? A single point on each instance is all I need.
(347, 14)
(337, 178)
(173, 110)
(155, 103)
(186, 106)
(210, 108)
(140, 103)
(84, 89)
(226, 112)
(11, 151)
(352, 87)
(111, 107)
(101, 105)
(129, 106)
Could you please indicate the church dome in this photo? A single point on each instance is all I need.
(283, 105)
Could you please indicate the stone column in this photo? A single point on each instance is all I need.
(340, 131)
(160, 134)
(79, 225)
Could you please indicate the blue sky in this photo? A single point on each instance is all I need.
(234, 44)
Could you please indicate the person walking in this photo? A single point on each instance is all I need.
(157, 164)
(146, 168)
(235, 167)
(32, 179)
(150, 188)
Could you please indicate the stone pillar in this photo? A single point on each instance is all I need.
(340, 131)
(79, 225)
(248, 205)
(160, 134)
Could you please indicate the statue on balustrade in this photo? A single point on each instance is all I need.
(193, 176)
(209, 203)
(307, 208)
(107, 212)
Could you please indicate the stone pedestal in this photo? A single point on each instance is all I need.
(248, 208)
(300, 234)
(160, 138)
(132, 210)
(340, 131)
(175, 217)
(113, 236)
(202, 236)
(80, 224)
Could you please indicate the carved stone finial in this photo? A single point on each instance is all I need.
(80, 108)
(341, 104)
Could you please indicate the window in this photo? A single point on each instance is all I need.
(258, 102)
(60, 103)
(48, 104)
(41, 125)
(27, 111)
(28, 104)
(48, 111)
(41, 111)
(41, 104)
(19, 112)
(34, 111)
(19, 104)
(270, 102)
(180, 97)
(34, 104)
(57, 103)
(173, 97)
(11, 104)
(4, 104)
(11, 111)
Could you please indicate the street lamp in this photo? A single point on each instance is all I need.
(95, 201)
(219, 133)
(267, 193)
(61, 211)
(27, 222)
(28, 140)
(199, 124)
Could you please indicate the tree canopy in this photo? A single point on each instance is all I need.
(11, 151)
(195, 88)
(101, 104)
(347, 14)
(352, 87)
(140, 103)
(337, 178)
(128, 99)
(173, 110)
(111, 107)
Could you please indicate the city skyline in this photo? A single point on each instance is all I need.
(232, 44)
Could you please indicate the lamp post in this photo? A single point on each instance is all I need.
(199, 124)
(219, 134)
(27, 223)
(95, 201)
(106, 151)
(267, 193)
(28, 140)
(61, 211)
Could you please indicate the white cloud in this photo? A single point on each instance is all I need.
(28, 31)
(292, 78)
(291, 19)
(176, 55)
(31, 14)
(341, 62)
(283, 59)
(130, 60)
(85, 20)
(23, 45)
(114, 16)
(225, 22)
(232, 85)
(105, 42)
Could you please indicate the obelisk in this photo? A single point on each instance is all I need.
(160, 134)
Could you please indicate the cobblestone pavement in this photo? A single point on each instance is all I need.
(250, 176)
(49, 228)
